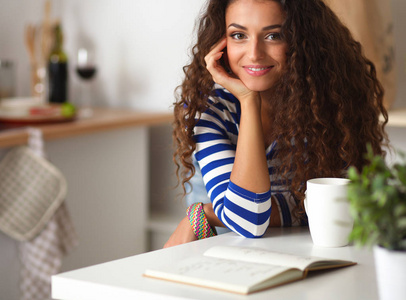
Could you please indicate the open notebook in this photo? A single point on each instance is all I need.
(242, 270)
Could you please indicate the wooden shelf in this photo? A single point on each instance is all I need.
(103, 119)
(397, 117)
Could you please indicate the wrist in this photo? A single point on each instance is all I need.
(213, 220)
(250, 100)
(199, 222)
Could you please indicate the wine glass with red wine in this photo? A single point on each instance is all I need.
(86, 69)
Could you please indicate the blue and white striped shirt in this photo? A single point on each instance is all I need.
(242, 211)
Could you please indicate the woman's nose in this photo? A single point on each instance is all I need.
(256, 50)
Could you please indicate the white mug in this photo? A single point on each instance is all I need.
(328, 211)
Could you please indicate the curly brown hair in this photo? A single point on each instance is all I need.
(330, 99)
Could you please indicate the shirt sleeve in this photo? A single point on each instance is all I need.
(242, 211)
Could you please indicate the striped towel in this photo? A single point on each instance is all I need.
(42, 256)
(32, 211)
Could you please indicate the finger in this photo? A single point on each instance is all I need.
(214, 67)
(220, 45)
(215, 52)
(212, 60)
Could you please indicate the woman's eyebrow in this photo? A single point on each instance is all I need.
(263, 29)
(271, 27)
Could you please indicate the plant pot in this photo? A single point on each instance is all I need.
(390, 273)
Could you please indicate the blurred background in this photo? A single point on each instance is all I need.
(140, 46)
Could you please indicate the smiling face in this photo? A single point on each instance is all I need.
(256, 52)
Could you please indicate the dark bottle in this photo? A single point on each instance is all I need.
(58, 69)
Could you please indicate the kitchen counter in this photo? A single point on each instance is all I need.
(397, 117)
(103, 119)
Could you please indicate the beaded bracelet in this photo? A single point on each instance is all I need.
(198, 221)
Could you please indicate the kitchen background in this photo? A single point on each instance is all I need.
(140, 47)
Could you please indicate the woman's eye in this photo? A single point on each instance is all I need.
(238, 36)
(274, 36)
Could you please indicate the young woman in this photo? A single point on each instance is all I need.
(277, 92)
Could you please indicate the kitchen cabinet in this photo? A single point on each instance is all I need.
(106, 161)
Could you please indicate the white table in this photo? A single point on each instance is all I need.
(122, 279)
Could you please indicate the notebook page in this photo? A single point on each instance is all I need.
(261, 256)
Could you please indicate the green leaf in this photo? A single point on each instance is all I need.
(400, 210)
(377, 197)
(401, 223)
(382, 199)
(401, 173)
(402, 244)
(353, 174)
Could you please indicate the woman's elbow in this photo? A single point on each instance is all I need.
(253, 230)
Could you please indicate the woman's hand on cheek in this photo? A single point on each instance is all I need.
(220, 75)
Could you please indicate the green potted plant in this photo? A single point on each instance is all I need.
(377, 196)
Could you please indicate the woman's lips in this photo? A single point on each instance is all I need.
(257, 70)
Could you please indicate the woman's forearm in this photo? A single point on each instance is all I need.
(250, 170)
(215, 222)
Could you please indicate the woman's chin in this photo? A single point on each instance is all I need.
(255, 87)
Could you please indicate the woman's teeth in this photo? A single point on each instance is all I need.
(257, 69)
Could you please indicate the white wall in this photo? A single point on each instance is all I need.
(141, 45)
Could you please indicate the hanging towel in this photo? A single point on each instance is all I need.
(42, 256)
(31, 191)
(32, 211)
(371, 23)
